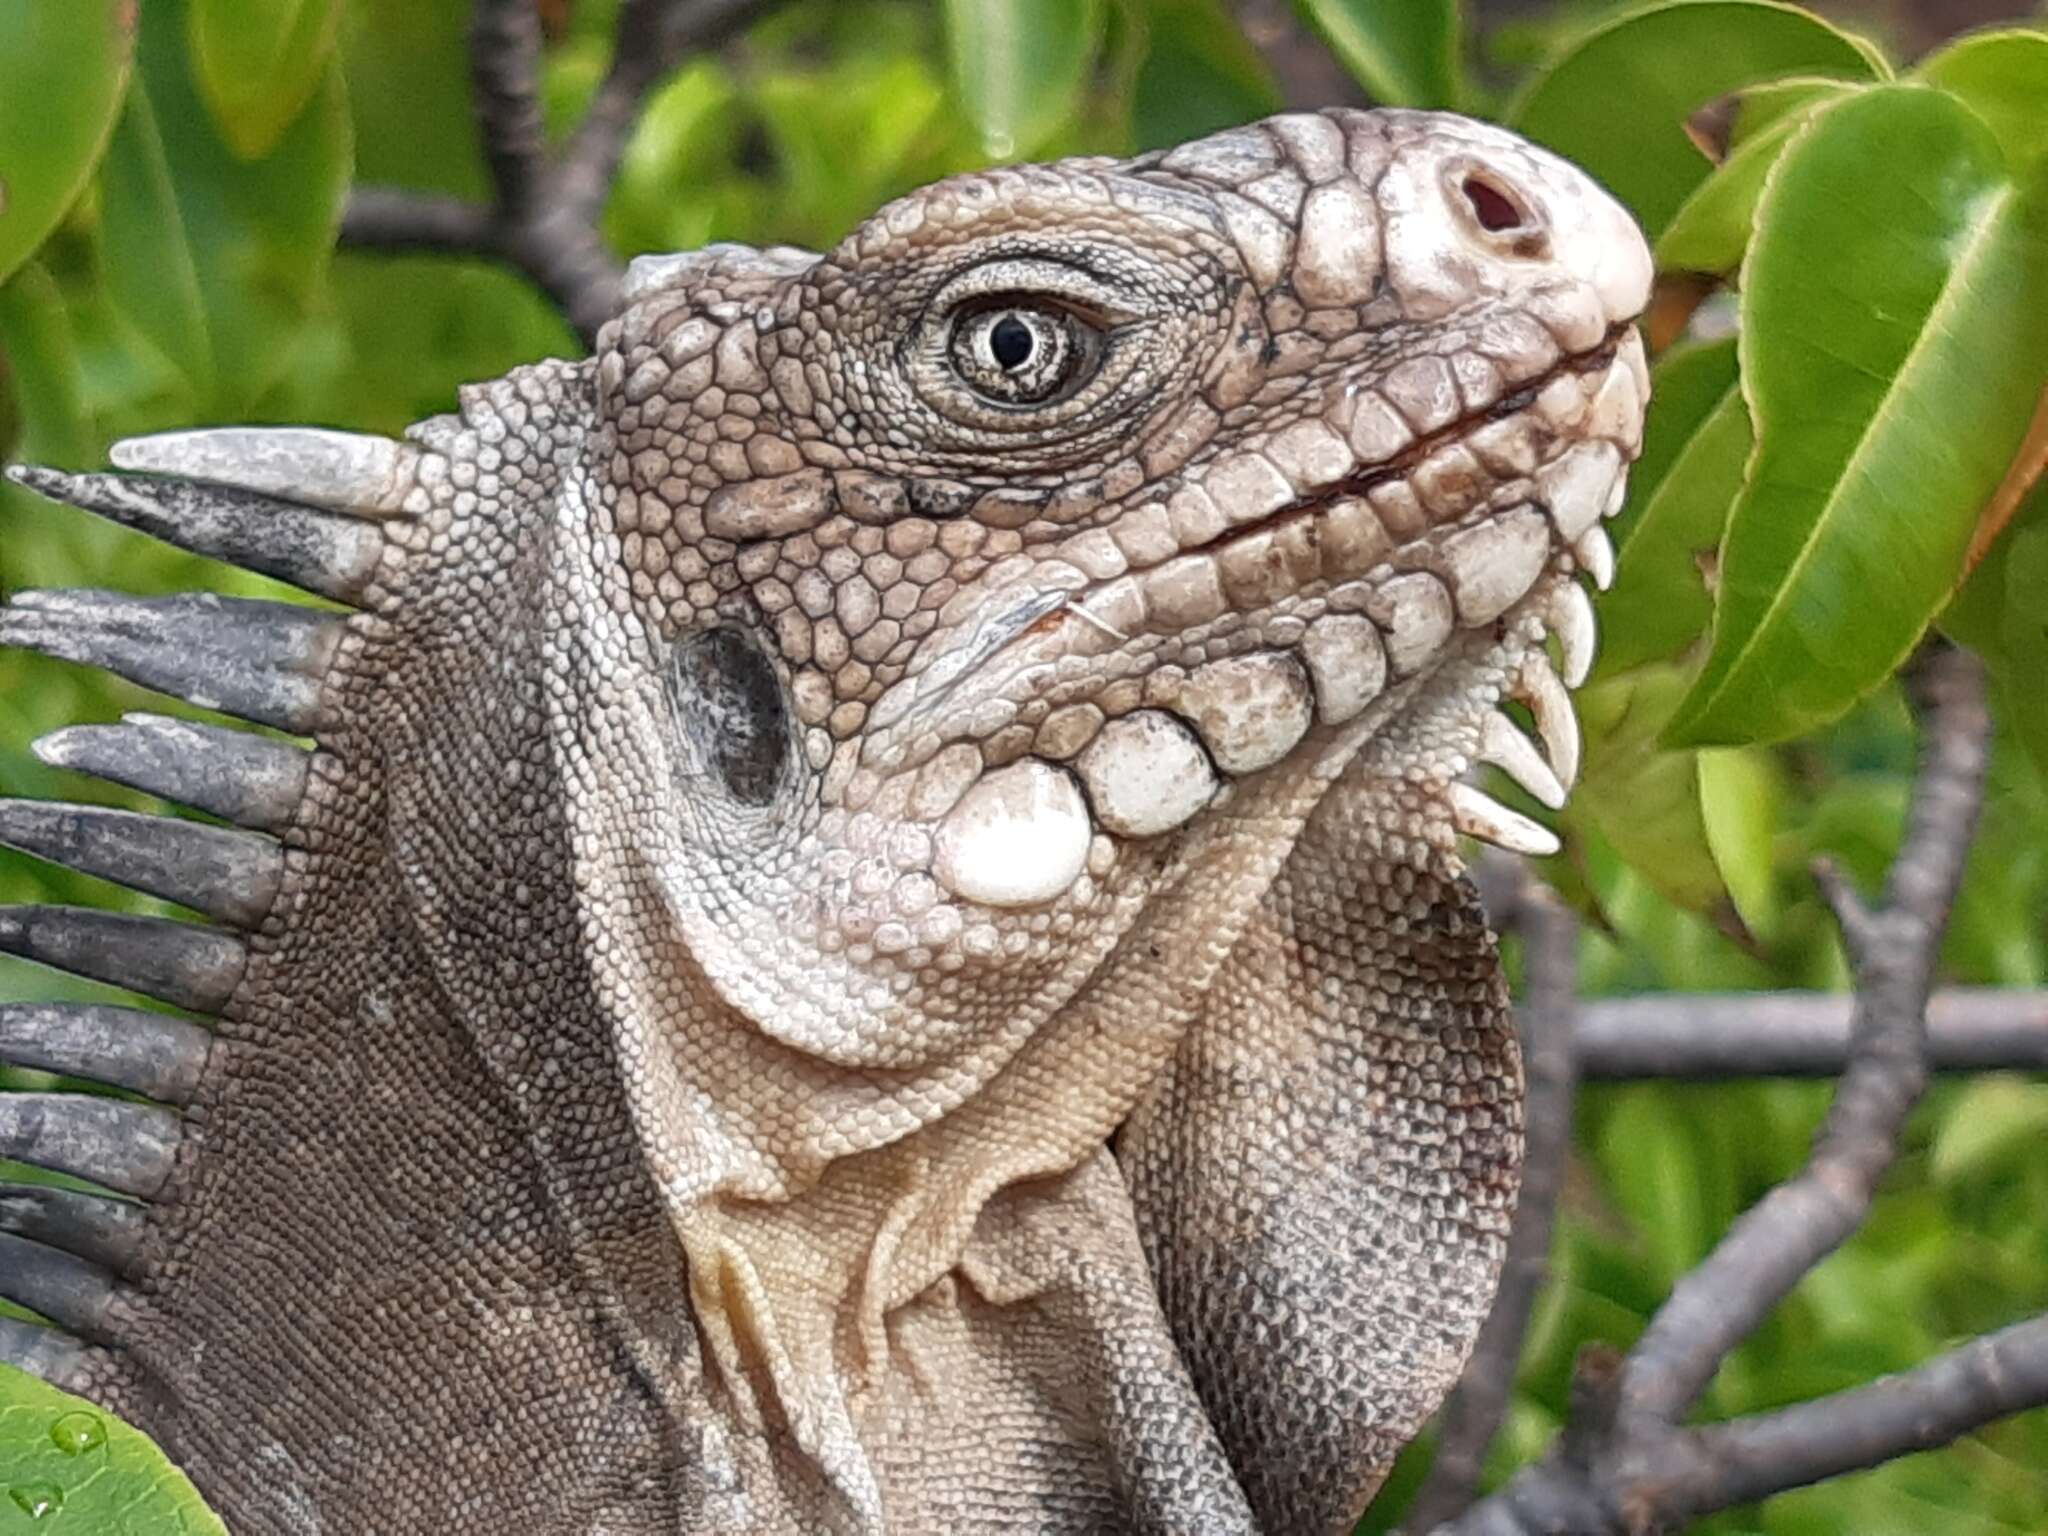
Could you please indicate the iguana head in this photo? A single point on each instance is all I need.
(862, 716)
(940, 587)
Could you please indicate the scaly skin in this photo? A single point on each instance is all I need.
(875, 939)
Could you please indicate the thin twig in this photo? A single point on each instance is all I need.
(1550, 937)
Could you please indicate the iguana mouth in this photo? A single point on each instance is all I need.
(1159, 659)
(1591, 364)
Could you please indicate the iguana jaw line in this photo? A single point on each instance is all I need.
(1305, 590)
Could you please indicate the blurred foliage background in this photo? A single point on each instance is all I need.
(194, 279)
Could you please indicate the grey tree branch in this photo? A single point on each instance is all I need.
(504, 65)
(653, 37)
(543, 218)
(1893, 950)
(394, 219)
(1550, 935)
(1968, 1387)
(1798, 1034)
(1624, 1462)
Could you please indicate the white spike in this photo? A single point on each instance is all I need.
(1556, 722)
(1502, 744)
(1595, 553)
(1578, 633)
(342, 471)
(1477, 814)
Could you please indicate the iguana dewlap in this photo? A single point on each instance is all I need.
(871, 936)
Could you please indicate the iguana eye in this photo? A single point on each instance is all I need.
(1022, 354)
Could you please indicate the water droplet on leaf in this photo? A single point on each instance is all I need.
(37, 1499)
(77, 1433)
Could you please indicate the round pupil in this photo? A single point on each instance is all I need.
(1010, 342)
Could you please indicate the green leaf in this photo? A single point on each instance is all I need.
(63, 64)
(1890, 385)
(219, 261)
(2001, 614)
(1642, 797)
(259, 62)
(1405, 55)
(61, 1455)
(1739, 807)
(1998, 1118)
(1198, 74)
(1710, 231)
(2004, 78)
(39, 361)
(146, 252)
(1019, 65)
(1617, 101)
(1689, 473)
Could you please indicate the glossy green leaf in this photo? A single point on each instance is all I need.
(1018, 66)
(1710, 231)
(1405, 55)
(1617, 100)
(63, 64)
(1642, 797)
(1681, 488)
(219, 261)
(1740, 804)
(75, 1466)
(258, 62)
(1889, 385)
(2004, 78)
(1198, 74)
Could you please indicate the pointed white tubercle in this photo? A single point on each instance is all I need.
(341, 471)
(1595, 553)
(1017, 838)
(1578, 633)
(1556, 722)
(1575, 485)
(1479, 815)
(1503, 745)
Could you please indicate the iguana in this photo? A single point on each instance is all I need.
(870, 936)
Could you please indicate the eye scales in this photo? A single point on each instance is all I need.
(879, 870)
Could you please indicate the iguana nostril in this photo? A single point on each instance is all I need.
(1494, 209)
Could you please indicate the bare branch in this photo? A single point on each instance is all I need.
(1773, 1244)
(1473, 1416)
(393, 219)
(544, 213)
(1988, 1378)
(1781, 1034)
(504, 66)
(653, 36)
(1623, 1463)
